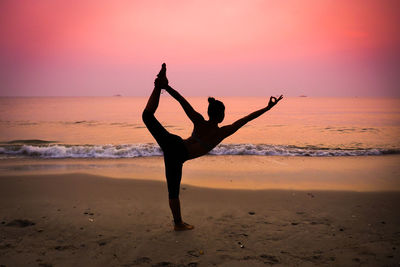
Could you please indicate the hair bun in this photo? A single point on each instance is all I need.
(211, 100)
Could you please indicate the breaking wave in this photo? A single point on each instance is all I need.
(148, 150)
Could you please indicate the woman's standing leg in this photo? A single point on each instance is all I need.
(173, 173)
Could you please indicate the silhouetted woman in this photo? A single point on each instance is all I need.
(206, 135)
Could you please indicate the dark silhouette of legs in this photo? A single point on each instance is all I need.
(175, 153)
(173, 173)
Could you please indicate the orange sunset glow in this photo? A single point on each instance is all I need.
(199, 133)
(318, 48)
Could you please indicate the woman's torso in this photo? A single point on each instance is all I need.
(204, 138)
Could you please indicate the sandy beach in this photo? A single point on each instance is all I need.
(278, 121)
(86, 220)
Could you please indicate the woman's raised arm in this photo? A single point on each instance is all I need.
(193, 115)
(162, 82)
(232, 128)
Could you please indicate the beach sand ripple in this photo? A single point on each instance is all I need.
(84, 220)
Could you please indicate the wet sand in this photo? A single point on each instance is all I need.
(366, 173)
(86, 220)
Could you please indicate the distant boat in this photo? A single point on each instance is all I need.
(302, 96)
(117, 95)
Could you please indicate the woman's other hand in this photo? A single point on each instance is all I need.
(273, 101)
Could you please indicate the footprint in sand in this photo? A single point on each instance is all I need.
(138, 261)
(66, 247)
(20, 223)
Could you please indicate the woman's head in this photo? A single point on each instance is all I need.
(216, 110)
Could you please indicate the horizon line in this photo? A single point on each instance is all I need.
(290, 96)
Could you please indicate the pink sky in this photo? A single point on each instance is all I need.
(216, 47)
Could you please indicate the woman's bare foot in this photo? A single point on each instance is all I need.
(183, 226)
(162, 80)
(163, 72)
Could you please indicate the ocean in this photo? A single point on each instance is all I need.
(303, 143)
(111, 127)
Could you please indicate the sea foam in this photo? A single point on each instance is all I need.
(148, 150)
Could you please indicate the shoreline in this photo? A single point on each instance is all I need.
(364, 173)
(198, 187)
(89, 220)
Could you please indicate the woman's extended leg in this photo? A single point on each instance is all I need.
(153, 125)
(154, 99)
